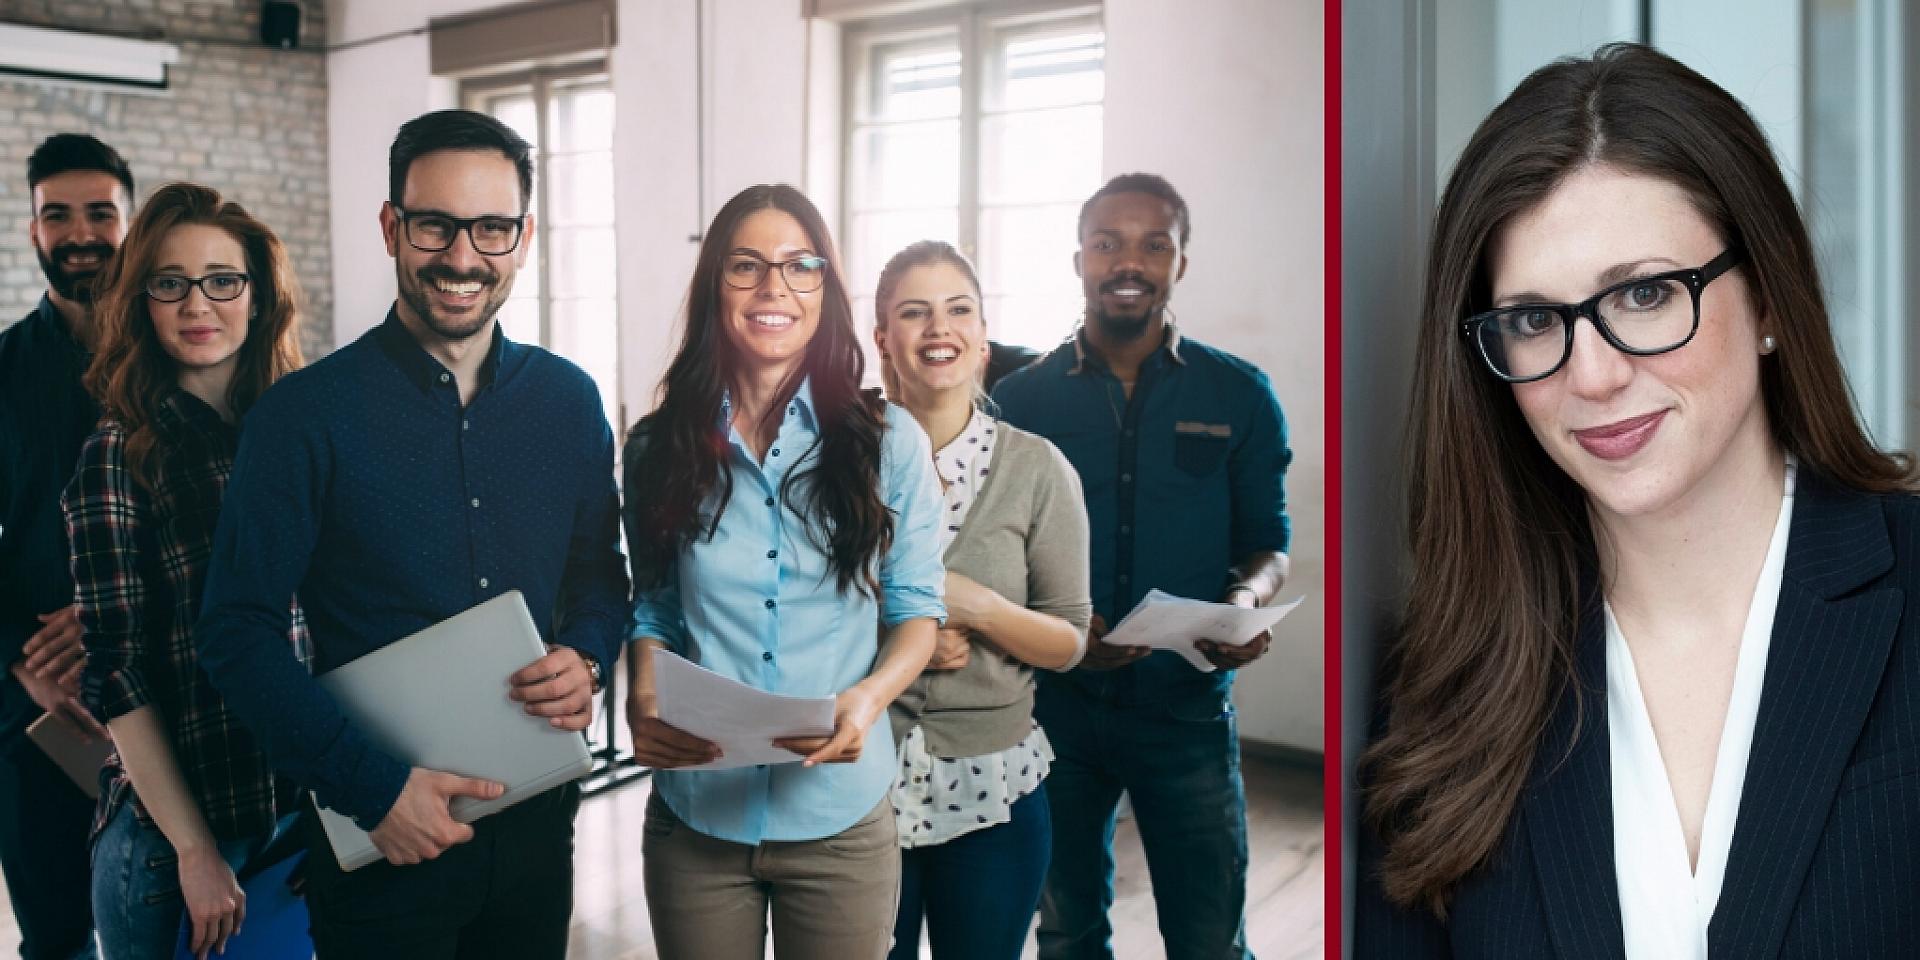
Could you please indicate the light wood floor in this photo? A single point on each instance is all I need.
(1284, 890)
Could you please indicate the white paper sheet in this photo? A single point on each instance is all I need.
(742, 720)
(1166, 622)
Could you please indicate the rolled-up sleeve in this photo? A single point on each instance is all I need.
(1258, 467)
(912, 578)
(103, 507)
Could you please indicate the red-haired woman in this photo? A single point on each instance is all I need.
(199, 315)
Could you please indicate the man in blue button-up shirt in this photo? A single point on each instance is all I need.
(1181, 451)
(428, 466)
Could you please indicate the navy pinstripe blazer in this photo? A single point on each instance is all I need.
(1825, 857)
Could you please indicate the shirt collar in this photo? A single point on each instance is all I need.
(950, 461)
(50, 315)
(181, 408)
(801, 405)
(1082, 352)
(420, 366)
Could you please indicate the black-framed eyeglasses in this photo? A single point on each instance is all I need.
(804, 274)
(173, 288)
(1641, 317)
(430, 232)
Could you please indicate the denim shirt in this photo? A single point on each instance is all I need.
(1184, 478)
(363, 484)
(756, 602)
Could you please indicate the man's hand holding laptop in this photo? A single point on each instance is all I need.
(558, 686)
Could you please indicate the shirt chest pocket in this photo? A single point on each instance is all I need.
(1199, 449)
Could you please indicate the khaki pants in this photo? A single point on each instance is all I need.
(831, 899)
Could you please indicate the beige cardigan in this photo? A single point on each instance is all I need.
(1025, 538)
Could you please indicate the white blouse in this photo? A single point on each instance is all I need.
(938, 799)
(1665, 905)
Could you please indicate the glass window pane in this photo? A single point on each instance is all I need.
(582, 261)
(1026, 265)
(1028, 320)
(587, 333)
(1049, 70)
(520, 318)
(878, 236)
(516, 110)
(580, 189)
(1040, 156)
(915, 164)
(580, 117)
(915, 82)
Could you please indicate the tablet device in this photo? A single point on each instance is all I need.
(76, 756)
(438, 699)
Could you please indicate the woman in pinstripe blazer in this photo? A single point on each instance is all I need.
(1657, 694)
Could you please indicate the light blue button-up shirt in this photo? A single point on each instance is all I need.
(757, 603)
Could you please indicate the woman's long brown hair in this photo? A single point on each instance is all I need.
(1503, 553)
(132, 373)
(677, 481)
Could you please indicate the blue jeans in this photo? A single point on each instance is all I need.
(137, 907)
(1180, 763)
(977, 892)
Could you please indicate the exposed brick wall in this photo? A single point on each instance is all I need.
(248, 120)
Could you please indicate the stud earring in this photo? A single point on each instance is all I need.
(1768, 344)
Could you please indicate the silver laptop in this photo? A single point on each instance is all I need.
(438, 699)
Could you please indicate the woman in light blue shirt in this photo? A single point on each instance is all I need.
(782, 526)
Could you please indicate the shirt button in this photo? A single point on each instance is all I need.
(769, 501)
(1126, 478)
(445, 377)
(776, 451)
(466, 424)
(1128, 433)
(476, 503)
(1125, 529)
(483, 583)
(768, 657)
(772, 554)
(769, 602)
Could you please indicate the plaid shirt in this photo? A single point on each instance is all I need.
(139, 562)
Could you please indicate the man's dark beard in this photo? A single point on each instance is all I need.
(77, 287)
(421, 301)
(1124, 328)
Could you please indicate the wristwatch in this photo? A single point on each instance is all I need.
(1255, 594)
(593, 670)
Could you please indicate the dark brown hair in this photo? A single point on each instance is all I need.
(677, 482)
(1503, 553)
(132, 374)
(921, 253)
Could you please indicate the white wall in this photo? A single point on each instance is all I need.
(1225, 99)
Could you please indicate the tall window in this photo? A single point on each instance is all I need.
(980, 128)
(564, 299)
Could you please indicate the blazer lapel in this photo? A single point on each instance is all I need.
(1831, 636)
(1568, 811)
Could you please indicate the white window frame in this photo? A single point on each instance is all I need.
(973, 24)
(475, 94)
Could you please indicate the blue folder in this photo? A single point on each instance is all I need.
(276, 924)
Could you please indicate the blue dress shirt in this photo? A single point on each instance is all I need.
(1183, 479)
(757, 603)
(362, 483)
